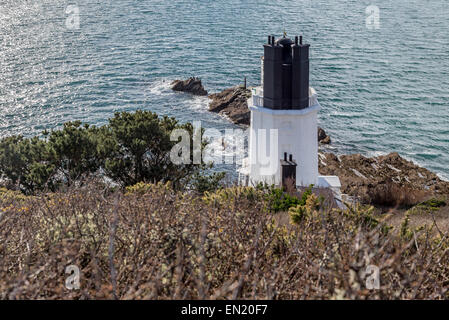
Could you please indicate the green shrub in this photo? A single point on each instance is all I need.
(11, 195)
(308, 210)
(280, 200)
(144, 188)
(428, 206)
(433, 203)
(363, 215)
(229, 196)
(407, 232)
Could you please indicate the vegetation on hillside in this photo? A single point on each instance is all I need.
(172, 231)
(131, 148)
(153, 242)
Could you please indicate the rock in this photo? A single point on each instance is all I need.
(323, 137)
(191, 85)
(326, 140)
(321, 134)
(232, 103)
(362, 177)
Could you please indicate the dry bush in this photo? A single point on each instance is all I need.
(391, 194)
(165, 245)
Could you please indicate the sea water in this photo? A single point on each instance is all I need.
(380, 68)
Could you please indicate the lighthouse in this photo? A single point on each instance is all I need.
(283, 139)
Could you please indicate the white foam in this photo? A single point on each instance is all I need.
(372, 154)
(160, 87)
(223, 148)
(443, 177)
(198, 103)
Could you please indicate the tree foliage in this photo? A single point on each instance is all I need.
(73, 151)
(140, 149)
(24, 163)
(131, 148)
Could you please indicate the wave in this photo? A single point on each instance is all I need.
(160, 87)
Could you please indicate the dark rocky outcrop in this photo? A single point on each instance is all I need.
(191, 85)
(323, 137)
(232, 103)
(362, 176)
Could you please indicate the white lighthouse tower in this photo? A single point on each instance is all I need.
(283, 141)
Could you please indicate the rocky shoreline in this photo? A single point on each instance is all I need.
(232, 103)
(361, 176)
(365, 177)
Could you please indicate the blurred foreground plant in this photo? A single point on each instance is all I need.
(156, 243)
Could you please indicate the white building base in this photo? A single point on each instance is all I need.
(276, 132)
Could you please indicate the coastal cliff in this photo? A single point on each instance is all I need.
(369, 178)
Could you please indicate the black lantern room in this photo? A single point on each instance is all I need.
(286, 74)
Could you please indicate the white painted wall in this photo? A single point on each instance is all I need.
(296, 135)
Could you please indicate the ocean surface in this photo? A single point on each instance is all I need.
(381, 90)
